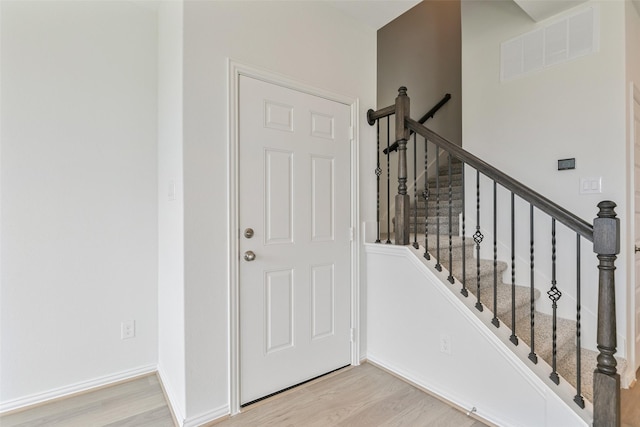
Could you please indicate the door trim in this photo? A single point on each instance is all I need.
(235, 70)
(634, 359)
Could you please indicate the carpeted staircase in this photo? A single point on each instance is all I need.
(566, 329)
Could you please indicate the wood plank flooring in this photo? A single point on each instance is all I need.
(358, 396)
(139, 402)
(630, 404)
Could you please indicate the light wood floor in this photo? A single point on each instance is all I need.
(138, 403)
(358, 396)
(630, 405)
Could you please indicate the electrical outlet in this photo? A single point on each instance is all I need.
(128, 329)
(445, 344)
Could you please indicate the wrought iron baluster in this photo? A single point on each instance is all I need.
(554, 295)
(495, 321)
(415, 193)
(438, 265)
(532, 297)
(578, 397)
(464, 290)
(425, 195)
(388, 187)
(378, 173)
(513, 338)
(450, 278)
(477, 238)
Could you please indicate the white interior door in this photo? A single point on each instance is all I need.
(294, 151)
(636, 110)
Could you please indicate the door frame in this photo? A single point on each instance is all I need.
(634, 96)
(235, 70)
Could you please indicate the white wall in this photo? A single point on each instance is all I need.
(171, 324)
(79, 198)
(308, 42)
(410, 310)
(576, 109)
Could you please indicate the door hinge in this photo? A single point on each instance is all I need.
(353, 335)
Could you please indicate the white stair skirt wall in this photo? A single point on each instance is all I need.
(424, 332)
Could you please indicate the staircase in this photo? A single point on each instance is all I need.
(512, 304)
(566, 329)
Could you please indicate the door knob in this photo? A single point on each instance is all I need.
(249, 256)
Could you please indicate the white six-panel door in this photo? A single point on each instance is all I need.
(294, 151)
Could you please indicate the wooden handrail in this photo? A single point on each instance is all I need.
(552, 209)
(372, 116)
(429, 115)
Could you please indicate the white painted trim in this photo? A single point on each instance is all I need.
(207, 417)
(77, 388)
(235, 70)
(355, 242)
(632, 357)
(177, 411)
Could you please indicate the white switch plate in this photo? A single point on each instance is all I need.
(591, 185)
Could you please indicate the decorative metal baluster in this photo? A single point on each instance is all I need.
(450, 278)
(578, 397)
(415, 193)
(532, 355)
(554, 295)
(425, 195)
(438, 265)
(495, 321)
(378, 173)
(464, 290)
(388, 187)
(477, 238)
(513, 338)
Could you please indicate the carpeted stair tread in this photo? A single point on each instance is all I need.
(588, 362)
(456, 204)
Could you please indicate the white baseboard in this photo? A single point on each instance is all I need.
(207, 417)
(177, 411)
(69, 390)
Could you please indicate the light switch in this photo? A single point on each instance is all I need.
(592, 185)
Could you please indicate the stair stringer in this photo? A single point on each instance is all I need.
(410, 308)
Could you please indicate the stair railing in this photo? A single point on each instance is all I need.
(604, 234)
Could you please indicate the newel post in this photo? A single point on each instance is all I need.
(402, 198)
(606, 381)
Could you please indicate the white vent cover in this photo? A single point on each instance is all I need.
(557, 42)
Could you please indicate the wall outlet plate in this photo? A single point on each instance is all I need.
(128, 329)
